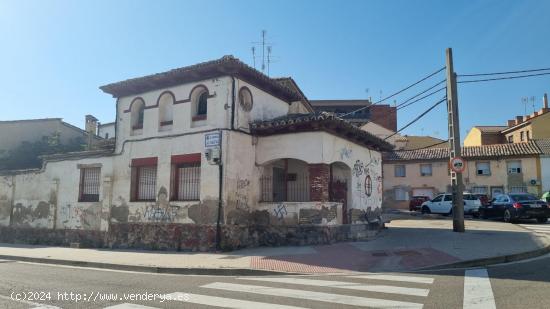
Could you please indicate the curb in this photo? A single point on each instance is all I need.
(151, 269)
(492, 260)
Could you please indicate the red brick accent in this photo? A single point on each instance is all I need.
(319, 178)
(384, 115)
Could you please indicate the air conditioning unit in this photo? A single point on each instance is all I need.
(534, 182)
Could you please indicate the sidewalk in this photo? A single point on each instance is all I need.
(406, 244)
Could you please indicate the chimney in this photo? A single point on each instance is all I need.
(511, 123)
(519, 119)
(545, 102)
(91, 129)
(91, 124)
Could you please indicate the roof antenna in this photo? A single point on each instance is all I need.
(254, 56)
(268, 58)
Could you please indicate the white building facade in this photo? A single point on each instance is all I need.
(213, 144)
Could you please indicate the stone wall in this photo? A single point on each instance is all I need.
(191, 237)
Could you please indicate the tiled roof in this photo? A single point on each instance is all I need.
(544, 145)
(319, 122)
(227, 65)
(490, 129)
(319, 103)
(485, 151)
(416, 142)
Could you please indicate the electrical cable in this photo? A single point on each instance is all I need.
(418, 117)
(421, 98)
(420, 93)
(500, 78)
(395, 93)
(503, 73)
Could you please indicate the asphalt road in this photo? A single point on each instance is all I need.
(518, 285)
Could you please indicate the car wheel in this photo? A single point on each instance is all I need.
(426, 210)
(542, 220)
(508, 217)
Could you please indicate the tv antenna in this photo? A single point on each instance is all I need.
(266, 51)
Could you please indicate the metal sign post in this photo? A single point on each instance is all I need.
(454, 145)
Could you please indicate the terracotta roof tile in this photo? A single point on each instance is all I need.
(544, 145)
(315, 122)
(227, 65)
(485, 151)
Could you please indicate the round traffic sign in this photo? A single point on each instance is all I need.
(457, 164)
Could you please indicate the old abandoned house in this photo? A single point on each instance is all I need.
(213, 152)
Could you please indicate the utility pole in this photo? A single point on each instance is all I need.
(454, 144)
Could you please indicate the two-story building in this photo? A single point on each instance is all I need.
(490, 169)
(216, 144)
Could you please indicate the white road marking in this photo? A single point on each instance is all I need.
(315, 296)
(346, 285)
(477, 290)
(36, 305)
(129, 306)
(412, 279)
(227, 302)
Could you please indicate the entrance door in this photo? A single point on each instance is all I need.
(340, 194)
(279, 185)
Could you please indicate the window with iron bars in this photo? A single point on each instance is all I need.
(144, 183)
(89, 184)
(187, 180)
(284, 188)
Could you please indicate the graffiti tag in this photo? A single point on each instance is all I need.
(345, 153)
(280, 211)
(358, 168)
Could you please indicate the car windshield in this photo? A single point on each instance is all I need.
(523, 197)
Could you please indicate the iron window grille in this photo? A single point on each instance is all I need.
(89, 184)
(290, 188)
(144, 183)
(187, 182)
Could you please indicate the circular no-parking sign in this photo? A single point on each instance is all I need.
(457, 164)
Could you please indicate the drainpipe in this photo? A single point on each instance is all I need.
(232, 102)
(220, 196)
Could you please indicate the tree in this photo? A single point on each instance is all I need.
(27, 154)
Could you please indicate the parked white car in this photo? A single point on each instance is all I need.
(443, 204)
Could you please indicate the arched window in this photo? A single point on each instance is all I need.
(199, 99)
(245, 99)
(166, 117)
(137, 111)
(202, 107)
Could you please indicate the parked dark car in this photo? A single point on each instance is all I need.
(483, 198)
(416, 202)
(514, 206)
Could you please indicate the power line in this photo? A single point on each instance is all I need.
(503, 73)
(420, 93)
(418, 117)
(396, 93)
(501, 78)
(421, 98)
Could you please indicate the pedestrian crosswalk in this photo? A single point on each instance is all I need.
(376, 290)
(307, 290)
(542, 229)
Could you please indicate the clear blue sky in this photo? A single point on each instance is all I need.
(55, 54)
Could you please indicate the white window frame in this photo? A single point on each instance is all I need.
(422, 173)
(514, 168)
(484, 172)
(400, 168)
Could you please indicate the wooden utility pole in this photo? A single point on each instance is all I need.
(454, 144)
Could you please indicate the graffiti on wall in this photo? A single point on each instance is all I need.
(345, 153)
(358, 168)
(242, 194)
(280, 211)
